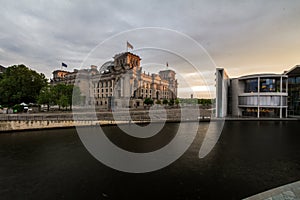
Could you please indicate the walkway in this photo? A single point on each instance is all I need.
(287, 192)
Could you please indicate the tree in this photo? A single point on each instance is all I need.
(46, 96)
(20, 84)
(63, 101)
(177, 102)
(58, 91)
(205, 101)
(171, 102)
(165, 101)
(74, 95)
(148, 101)
(65, 95)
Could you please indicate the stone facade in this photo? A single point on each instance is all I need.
(120, 82)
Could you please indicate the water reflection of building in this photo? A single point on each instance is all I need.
(119, 80)
(257, 95)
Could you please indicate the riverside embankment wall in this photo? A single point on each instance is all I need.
(16, 122)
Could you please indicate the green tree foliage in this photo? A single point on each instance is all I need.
(63, 101)
(165, 101)
(148, 101)
(188, 101)
(18, 108)
(196, 101)
(62, 95)
(205, 101)
(74, 95)
(46, 97)
(20, 84)
(171, 102)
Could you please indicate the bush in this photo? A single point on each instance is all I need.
(165, 101)
(148, 101)
(171, 102)
(18, 108)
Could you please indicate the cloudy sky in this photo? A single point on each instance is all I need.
(242, 36)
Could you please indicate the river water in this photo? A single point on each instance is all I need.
(249, 157)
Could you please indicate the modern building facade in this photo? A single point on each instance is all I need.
(257, 95)
(222, 85)
(293, 91)
(260, 95)
(119, 82)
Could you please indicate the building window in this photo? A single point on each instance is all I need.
(270, 85)
(284, 84)
(251, 85)
(269, 112)
(249, 101)
(269, 101)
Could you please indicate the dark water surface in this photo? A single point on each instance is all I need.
(250, 157)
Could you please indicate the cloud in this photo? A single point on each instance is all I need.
(238, 35)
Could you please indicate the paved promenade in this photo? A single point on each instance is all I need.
(287, 192)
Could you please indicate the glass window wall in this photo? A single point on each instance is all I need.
(251, 85)
(270, 85)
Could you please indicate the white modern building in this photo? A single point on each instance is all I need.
(222, 85)
(257, 95)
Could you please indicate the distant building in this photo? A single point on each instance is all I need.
(119, 80)
(2, 69)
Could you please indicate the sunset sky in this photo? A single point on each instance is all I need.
(242, 36)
